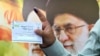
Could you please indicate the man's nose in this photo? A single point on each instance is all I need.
(63, 36)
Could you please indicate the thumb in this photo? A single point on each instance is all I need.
(39, 32)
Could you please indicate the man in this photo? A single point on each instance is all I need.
(54, 48)
(71, 27)
(70, 33)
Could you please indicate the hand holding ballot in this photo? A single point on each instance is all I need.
(25, 32)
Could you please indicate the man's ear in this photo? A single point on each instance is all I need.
(90, 26)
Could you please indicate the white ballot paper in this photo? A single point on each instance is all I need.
(24, 32)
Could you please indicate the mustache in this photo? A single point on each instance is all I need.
(68, 43)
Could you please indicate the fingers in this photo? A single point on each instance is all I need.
(40, 14)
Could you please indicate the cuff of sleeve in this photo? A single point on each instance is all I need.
(56, 49)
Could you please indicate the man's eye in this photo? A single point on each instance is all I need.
(57, 30)
(69, 28)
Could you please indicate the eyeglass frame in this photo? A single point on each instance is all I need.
(68, 29)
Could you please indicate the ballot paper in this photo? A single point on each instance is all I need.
(24, 31)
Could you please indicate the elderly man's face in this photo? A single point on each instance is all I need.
(71, 31)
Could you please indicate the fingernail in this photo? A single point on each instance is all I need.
(35, 9)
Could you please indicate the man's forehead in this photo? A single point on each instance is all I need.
(63, 25)
(65, 19)
(66, 16)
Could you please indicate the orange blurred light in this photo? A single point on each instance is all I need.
(5, 33)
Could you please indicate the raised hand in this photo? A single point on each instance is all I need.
(46, 32)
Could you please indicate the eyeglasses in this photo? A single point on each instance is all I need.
(68, 28)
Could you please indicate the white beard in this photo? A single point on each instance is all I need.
(79, 43)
